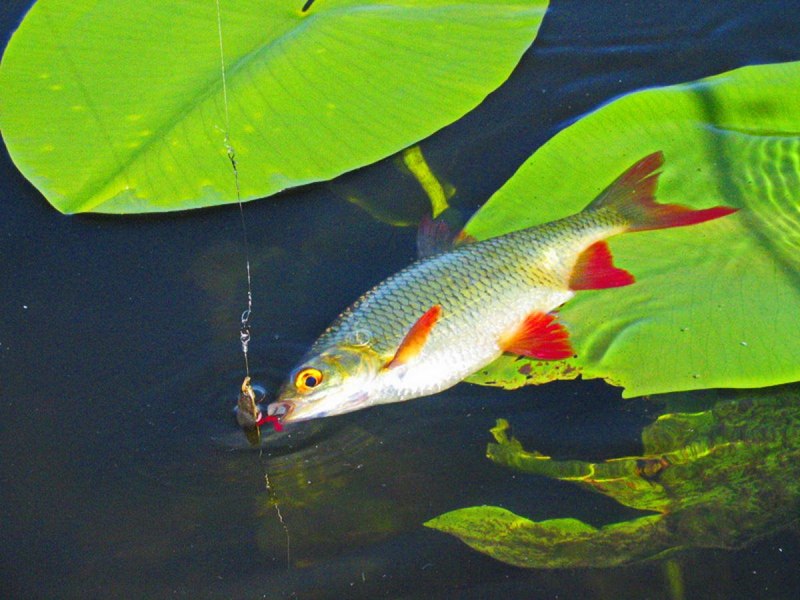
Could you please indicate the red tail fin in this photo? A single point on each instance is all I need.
(632, 195)
(661, 216)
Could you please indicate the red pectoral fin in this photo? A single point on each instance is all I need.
(539, 336)
(416, 337)
(594, 270)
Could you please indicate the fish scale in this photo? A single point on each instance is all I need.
(485, 289)
(496, 271)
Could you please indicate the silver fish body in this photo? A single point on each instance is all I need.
(439, 320)
(484, 288)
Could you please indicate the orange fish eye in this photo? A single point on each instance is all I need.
(307, 379)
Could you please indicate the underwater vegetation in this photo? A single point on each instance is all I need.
(718, 478)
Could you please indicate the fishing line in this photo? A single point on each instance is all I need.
(274, 501)
(244, 330)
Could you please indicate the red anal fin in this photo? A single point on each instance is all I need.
(416, 337)
(595, 270)
(539, 336)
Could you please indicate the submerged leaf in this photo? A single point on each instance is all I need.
(714, 305)
(118, 106)
(415, 161)
(718, 479)
(551, 544)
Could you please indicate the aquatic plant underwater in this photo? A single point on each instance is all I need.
(236, 93)
(718, 478)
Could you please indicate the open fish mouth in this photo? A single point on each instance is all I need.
(280, 410)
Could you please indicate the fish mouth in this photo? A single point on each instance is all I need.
(280, 410)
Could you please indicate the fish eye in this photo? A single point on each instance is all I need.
(307, 379)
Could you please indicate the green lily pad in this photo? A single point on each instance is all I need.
(117, 106)
(715, 479)
(714, 305)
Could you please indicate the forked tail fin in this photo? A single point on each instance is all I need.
(632, 195)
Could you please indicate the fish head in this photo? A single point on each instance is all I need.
(334, 381)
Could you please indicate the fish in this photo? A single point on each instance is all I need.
(444, 317)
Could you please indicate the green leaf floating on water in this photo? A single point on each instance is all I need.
(714, 305)
(117, 106)
(716, 479)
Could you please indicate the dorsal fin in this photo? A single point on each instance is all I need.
(416, 337)
(434, 236)
(440, 234)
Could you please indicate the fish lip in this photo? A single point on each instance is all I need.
(280, 409)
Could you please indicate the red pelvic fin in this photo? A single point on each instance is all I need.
(595, 270)
(416, 337)
(539, 336)
(632, 194)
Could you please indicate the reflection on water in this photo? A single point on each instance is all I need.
(717, 478)
(315, 468)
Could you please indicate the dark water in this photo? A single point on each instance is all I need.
(122, 472)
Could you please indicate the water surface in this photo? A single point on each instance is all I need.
(122, 472)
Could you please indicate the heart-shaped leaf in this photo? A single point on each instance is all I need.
(118, 105)
(714, 305)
